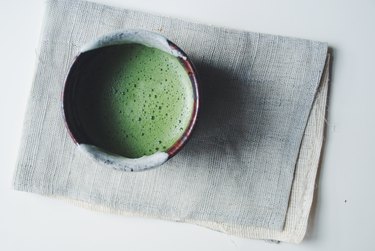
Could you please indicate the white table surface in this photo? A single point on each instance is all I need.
(345, 203)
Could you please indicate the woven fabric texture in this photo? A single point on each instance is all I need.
(262, 115)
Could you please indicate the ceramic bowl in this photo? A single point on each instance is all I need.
(72, 120)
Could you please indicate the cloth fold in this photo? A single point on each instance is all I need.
(249, 168)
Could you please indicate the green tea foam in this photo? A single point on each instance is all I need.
(133, 100)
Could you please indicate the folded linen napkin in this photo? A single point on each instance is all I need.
(250, 166)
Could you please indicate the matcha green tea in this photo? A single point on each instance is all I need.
(133, 100)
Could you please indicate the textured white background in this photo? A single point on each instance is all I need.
(344, 213)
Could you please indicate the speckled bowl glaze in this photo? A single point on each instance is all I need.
(73, 124)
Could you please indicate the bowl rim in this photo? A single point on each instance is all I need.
(120, 162)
